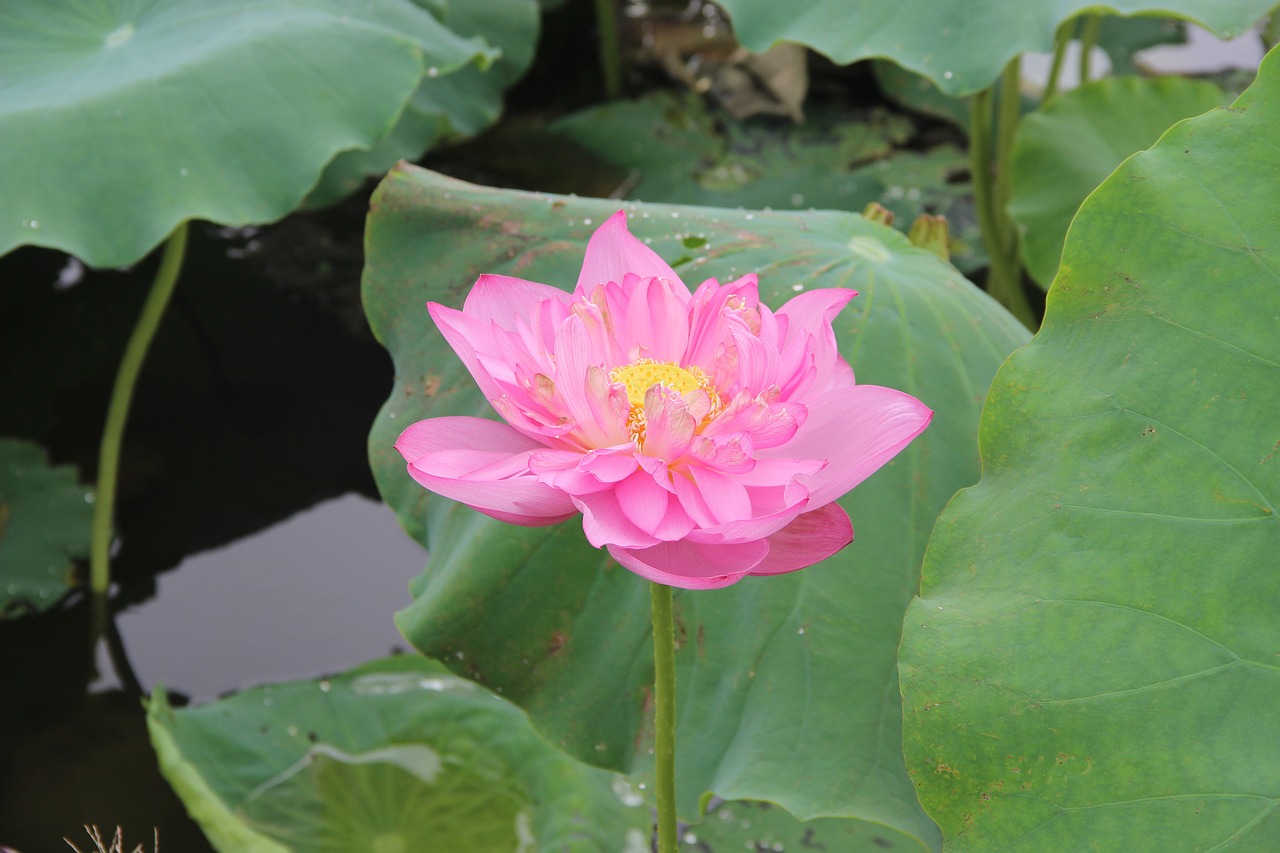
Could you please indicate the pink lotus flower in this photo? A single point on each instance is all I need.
(702, 436)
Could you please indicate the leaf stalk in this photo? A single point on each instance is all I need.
(991, 135)
(135, 353)
(610, 47)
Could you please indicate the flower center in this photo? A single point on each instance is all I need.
(645, 373)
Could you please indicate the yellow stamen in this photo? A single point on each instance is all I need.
(645, 373)
(642, 375)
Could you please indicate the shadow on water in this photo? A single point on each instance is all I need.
(244, 469)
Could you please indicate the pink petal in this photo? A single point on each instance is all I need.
(577, 473)
(599, 409)
(669, 425)
(483, 464)
(595, 469)
(810, 315)
(769, 423)
(814, 310)
(750, 529)
(694, 501)
(856, 429)
(688, 565)
(771, 509)
(652, 508)
(612, 252)
(504, 300)
(605, 523)
(811, 537)
(778, 472)
(610, 464)
(534, 420)
(657, 320)
(757, 360)
(597, 319)
(725, 496)
(727, 453)
(708, 318)
(468, 337)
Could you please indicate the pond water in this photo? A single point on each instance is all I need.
(251, 546)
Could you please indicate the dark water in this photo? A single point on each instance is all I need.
(251, 545)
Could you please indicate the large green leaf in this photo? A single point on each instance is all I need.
(1120, 38)
(398, 754)
(449, 107)
(1068, 147)
(120, 119)
(787, 685)
(959, 44)
(1094, 661)
(44, 525)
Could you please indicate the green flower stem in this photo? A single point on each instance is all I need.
(1060, 42)
(980, 167)
(118, 409)
(664, 702)
(1089, 32)
(610, 47)
(989, 163)
(1010, 113)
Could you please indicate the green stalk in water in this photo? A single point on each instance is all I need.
(610, 47)
(135, 353)
(1090, 29)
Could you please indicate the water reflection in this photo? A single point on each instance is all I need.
(312, 595)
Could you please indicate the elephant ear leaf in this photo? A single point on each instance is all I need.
(1094, 659)
(120, 120)
(961, 45)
